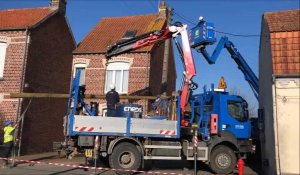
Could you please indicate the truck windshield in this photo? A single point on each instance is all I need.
(235, 110)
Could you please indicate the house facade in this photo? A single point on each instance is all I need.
(147, 71)
(279, 72)
(36, 47)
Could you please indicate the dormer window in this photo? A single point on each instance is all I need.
(129, 34)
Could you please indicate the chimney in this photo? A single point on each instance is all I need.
(163, 9)
(60, 5)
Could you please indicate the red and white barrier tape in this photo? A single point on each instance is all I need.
(89, 167)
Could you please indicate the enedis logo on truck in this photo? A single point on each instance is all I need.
(132, 109)
(239, 127)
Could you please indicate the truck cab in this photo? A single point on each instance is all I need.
(233, 116)
(229, 113)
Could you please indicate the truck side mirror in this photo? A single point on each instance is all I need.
(245, 104)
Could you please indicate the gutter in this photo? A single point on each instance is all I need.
(104, 52)
(13, 28)
(86, 52)
(287, 76)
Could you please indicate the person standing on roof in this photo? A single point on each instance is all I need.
(9, 130)
(112, 98)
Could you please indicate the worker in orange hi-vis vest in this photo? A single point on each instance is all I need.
(8, 139)
(222, 84)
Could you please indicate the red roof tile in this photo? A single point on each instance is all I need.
(283, 21)
(23, 18)
(110, 30)
(284, 28)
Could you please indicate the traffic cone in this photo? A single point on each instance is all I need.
(240, 166)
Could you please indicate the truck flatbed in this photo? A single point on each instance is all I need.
(124, 126)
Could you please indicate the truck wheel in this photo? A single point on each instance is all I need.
(222, 160)
(125, 156)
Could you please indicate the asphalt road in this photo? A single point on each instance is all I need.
(46, 168)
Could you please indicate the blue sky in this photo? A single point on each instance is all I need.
(230, 16)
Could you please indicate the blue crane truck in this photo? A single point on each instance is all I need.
(211, 127)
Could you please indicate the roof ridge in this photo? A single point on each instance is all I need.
(25, 9)
(151, 14)
(289, 10)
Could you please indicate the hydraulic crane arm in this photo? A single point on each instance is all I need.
(138, 42)
(159, 36)
(249, 75)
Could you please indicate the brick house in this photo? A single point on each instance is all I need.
(147, 71)
(279, 72)
(36, 47)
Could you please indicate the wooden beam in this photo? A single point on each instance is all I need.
(87, 96)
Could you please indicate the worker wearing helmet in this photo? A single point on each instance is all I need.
(8, 139)
(112, 98)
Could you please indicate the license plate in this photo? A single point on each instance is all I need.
(89, 153)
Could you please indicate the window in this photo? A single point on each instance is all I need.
(117, 73)
(2, 57)
(82, 74)
(236, 110)
(129, 34)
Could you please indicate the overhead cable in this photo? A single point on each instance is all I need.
(218, 31)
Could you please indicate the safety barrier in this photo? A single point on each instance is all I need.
(90, 167)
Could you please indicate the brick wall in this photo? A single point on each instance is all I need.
(13, 61)
(156, 69)
(48, 70)
(11, 81)
(139, 74)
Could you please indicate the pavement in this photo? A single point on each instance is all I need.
(51, 164)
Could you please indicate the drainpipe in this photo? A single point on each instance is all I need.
(21, 88)
(275, 125)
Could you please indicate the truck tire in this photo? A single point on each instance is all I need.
(222, 160)
(125, 156)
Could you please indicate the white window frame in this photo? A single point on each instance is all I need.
(3, 50)
(80, 66)
(117, 66)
